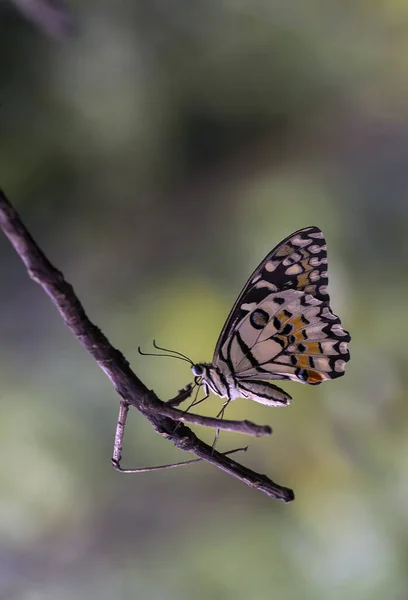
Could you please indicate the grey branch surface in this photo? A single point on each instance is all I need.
(130, 388)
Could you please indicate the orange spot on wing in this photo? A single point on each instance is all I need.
(310, 289)
(302, 361)
(299, 336)
(282, 317)
(284, 250)
(303, 279)
(314, 377)
(297, 323)
(312, 348)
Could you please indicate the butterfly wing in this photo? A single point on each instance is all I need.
(281, 326)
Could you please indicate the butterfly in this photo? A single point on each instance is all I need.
(280, 328)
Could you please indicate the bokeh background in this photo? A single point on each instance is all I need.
(157, 154)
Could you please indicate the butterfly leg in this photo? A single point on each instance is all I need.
(222, 411)
(195, 401)
(206, 395)
(220, 416)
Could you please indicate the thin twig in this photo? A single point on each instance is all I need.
(119, 433)
(129, 387)
(117, 467)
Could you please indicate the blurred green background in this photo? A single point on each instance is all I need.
(157, 155)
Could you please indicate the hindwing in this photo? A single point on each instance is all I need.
(281, 326)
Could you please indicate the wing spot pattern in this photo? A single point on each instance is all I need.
(259, 319)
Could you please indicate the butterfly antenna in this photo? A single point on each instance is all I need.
(172, 352)
(168, 355)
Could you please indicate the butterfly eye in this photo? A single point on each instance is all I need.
(197, 370)
(259, 318)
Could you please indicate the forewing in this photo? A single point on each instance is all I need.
(299, 262)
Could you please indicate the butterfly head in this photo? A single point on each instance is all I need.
(210, 376)
(200, 372)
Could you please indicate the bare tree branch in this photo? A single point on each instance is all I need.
(246, 427)
(129, 387)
